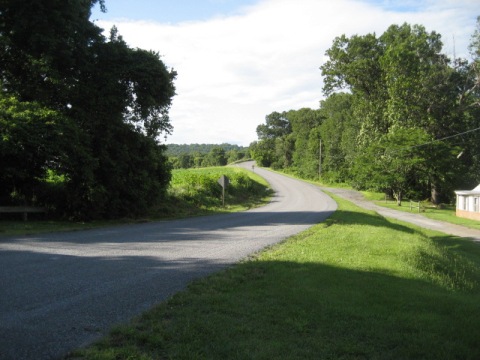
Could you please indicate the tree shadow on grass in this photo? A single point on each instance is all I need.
(288, 310)
(362, 218)
(257, 309)
(452, 261)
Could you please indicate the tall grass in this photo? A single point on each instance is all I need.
(358, 286)
(198, 190)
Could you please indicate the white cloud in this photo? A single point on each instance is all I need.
(233, 71)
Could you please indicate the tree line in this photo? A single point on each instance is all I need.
(178, 149)
(399, 116)
(80, 113)
(205, 155)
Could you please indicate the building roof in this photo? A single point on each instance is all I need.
(475, 191)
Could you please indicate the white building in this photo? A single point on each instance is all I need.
(468, 203)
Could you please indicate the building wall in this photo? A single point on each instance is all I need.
(468, 206)
(461, 205)
(468, 214)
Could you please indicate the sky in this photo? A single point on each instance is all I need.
(240, 60)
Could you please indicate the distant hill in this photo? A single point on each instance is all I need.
(176, 149)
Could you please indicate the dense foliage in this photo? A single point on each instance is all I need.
(179, 149)
(80, 114)
(204, 155)
(399, 116)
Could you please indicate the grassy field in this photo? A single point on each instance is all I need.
(197, 191)
(192, 192)
(443, 213)
(358, 286)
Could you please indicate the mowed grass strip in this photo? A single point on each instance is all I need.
(358, 286)
(444, 212)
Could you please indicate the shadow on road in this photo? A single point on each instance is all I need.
(77, 299)
(178, 230)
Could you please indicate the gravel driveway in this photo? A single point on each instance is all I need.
(413, 218)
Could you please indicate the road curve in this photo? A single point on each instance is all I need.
(63, 290)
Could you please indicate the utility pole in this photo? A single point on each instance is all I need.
(320, 160)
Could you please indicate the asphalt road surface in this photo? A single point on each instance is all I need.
(64, 290)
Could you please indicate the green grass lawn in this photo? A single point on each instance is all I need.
(358, 286)
(444, 213)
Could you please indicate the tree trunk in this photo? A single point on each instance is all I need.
(398, 196)
(435, 195)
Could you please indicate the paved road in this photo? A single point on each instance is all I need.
(60, 291)
(413, 218)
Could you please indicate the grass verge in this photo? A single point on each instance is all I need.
(358, 286)
(193, 192)
(444, 213)
(19, 228)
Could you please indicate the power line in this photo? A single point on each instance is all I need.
(445, 138)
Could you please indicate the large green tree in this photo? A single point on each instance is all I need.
(216, 157)
(305, 123)
(393, 162)
(33, 139)
(470, 104)
(401, 81)
(273, 141)
(116, 98)
(399, 116)
(339, 134)
(263, 152)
